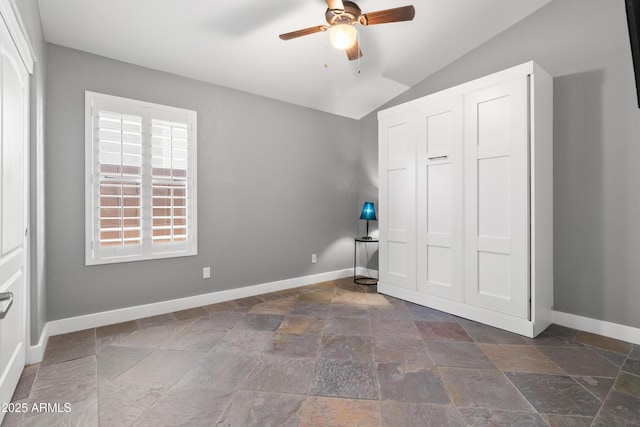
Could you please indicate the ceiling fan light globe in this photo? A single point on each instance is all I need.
(342, 36)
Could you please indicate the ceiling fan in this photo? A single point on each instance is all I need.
(342, 15)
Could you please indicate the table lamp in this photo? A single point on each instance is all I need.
(368, 213)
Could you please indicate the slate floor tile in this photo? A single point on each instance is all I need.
(555, 394)
(342, 296)
(556, 420)
(191, 313)
(419, 415)
(411, 382)
(280, 306)
(83, 413)
(347, 347)
(191, 339)
(331, 411)
(481, 417)
(159, 320)
(313, 309)
(607, 419)
(486, 334)
(395, 328)
(301, 325)
(485, 388)
(606, 343)
(222, 320)
(458, 354)
(280, 374)
(442, 331)
(580, 361)
(343, 378)
(624, 406)
(74, 349)
(221, 369)
(164, 367)
(253, 408)
(599, 386)
(419, 312)
(229, 306)
(290, 345)
(121, 403)
(519, 358)
(390, 311)
(150, 336)
(260, 322)
(317, 297)
(334, 353)
(360, 311)
(68, 382)
(114, 361)
(632, 366)
(347, 326)
(105, 335)
(244, 340)
(618, 359)
(386, 349)
(628, 383)
(186, 406)
(70, 339)
(25, 383)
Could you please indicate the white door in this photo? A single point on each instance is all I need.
(13, 213)
(497, 198)
(396, 219)
(439, 195)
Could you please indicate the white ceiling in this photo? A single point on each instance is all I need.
(235, 43)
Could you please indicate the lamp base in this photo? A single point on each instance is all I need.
(366, 238)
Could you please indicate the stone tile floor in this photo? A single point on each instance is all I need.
(330, 354)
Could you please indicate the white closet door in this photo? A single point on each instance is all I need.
(497, 198)
(439, 195)
(14, 114)
(397, 200)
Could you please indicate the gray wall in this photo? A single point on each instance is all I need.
(584, 44)
(30, 15)
(276, 183)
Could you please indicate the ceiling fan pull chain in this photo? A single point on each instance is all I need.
(359, 56)
(326, 55)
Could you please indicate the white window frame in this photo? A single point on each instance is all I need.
(94, 253)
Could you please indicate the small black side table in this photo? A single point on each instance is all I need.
(360, 280)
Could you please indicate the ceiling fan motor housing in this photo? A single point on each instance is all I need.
(350, 14)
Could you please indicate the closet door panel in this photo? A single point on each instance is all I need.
(397, 200)
(439, 197)
(497, 198)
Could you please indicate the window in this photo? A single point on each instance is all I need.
(141, 195)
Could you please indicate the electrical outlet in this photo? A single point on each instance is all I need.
(314, 258)
(206, 273)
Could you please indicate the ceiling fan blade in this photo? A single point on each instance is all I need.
(303, 32)
(398, 14)
(335, 5)
(354, 51)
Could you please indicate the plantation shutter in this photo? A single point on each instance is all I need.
(141, 188)
(169, 175)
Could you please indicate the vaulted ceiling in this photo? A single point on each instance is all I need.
(235, 43)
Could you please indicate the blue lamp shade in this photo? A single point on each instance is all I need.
(368, 212)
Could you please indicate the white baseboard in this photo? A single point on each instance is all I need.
(35, 353)
(95, 320)
(595, 326)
